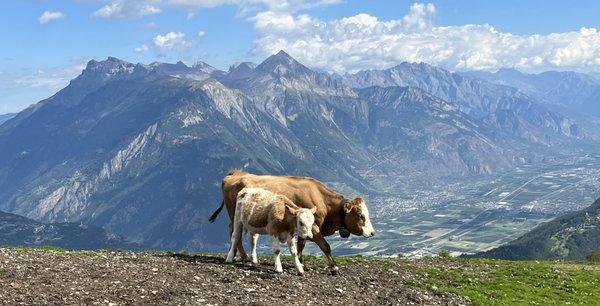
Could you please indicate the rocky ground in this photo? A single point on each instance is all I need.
(47, 276)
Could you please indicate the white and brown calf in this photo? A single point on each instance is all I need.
(260, 211)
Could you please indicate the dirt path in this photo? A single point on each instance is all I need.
(35, 277)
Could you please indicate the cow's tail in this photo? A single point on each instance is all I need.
(216, 213)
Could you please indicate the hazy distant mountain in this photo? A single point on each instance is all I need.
(506, 108)
(6, 117)
(575, 91)
(572, 236)
(140, 149)
(20, 231)
(431, 132)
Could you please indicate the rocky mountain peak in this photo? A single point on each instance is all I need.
(242, 65)
(281, 63)
(110, 66)
(204, 67)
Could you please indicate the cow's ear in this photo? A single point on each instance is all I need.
(292, 209)
(313, 210)
(358, 200)
(347, 207)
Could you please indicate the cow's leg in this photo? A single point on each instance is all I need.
(291, 242)
(277, 252)
(324, 246)
(236, 236)
(253, 242)
(240, 248)
(231, 237)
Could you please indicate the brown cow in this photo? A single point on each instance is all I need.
(334, 212)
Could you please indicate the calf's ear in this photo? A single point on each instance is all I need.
(293, 210)
(313, 210)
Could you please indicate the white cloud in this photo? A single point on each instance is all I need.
(142, 48)
(126, 9)
(53, 78)
(365, 42)
(49, 16)
(282, 5)
(419, 16)
(171, 41)
(20, 88)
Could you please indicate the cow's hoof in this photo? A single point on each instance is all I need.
(335, 271)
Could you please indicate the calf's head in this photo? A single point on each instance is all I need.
(356, 218)
(304, 220)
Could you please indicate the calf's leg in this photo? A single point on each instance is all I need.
(236, 236)
(277, 252)
(300, 247)
(240, 244)
(326, 248)
(240, 248)
(253, 241)
(291, 242)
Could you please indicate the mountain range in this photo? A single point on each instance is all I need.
(16, 230)
(572, 236)
(574, 91)
(140, 149)
(6, 117)
(505, 108)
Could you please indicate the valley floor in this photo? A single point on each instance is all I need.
(55, 276)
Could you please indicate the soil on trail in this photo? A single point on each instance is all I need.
(36, 277)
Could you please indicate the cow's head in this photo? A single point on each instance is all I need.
(304, 220)
(356, 218)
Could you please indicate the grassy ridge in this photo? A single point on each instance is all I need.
(497, 282)
(483, 281)
(572, 236)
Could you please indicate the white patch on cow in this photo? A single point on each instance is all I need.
(368, 230)
(304, 223)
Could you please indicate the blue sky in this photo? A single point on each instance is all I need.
(47, 43)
